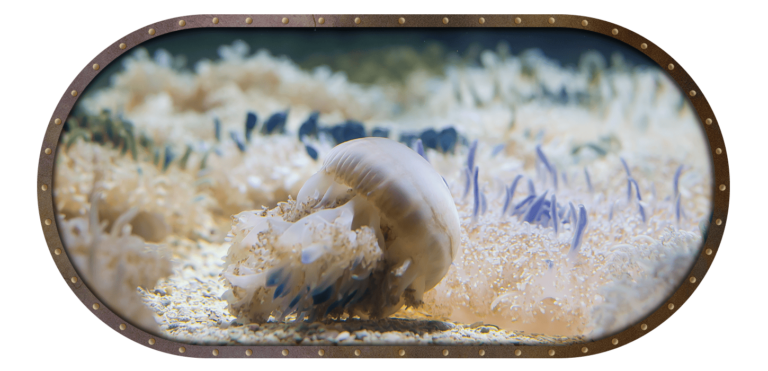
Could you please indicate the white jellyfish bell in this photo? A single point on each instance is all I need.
(371, 231)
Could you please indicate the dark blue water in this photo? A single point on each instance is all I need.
(310, 47)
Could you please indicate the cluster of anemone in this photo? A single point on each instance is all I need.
(114, 262)
(571, 185)
(567, 258)
(167, 204)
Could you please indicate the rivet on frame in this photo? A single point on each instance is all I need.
(215, 20)
(321, 20)
(248, 352)
(481, 20)
(321, 352)
(57, 121)
(692, 93)
(718, 222)
(285, 20)
(481, 352)
(643, 46)
(708, 121)
(74, 93)
(671, 306)
(518, 20)
(47, 151)
(357, 352)
(722, 187)
(584, 349)
(95, 66)
(401, 352)
(445, 352)
(285, 352)
(151, 31)
(551, 352)
(551, 20)
(445, 20)
(401, 20)
(182, 23)
(615, 31)
(151, 341)
(73, 279)
(615, 341)
(692, 280)
(122, 46)
(670, 66)
(708, 251)
(518, 352)
(122, 327)
(48, 222)
(643, 327)
(57, 251)
(249, 20)
(182, 350)
(215, 352)
(96, 306)
(585, 23)
(719, 151)
(357, 20)
(44, 187)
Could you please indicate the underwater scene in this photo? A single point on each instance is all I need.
(383, 186)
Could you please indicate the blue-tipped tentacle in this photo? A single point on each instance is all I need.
(554, 213)
(471, 156)
(626, 167)
(476, 194)
(676, 182)
(637, 188)
(543, 158)
(467, 183)
(275, 277)
(535, 208)
(319, 297)
(250, 124)
(217, 129)
(589, 182)
(420, 149)
(514, 187)
(507, 199)
(520, 207)
(239, 142)
(578, 233)
(168, 158)
(311, 151)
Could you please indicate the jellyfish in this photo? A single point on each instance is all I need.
(370, 232)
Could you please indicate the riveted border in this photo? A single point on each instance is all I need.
(710, 126)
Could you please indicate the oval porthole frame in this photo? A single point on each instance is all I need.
(710, 126)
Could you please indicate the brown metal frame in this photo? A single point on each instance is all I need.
(720, 191)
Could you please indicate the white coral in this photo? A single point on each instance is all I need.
(115, 264)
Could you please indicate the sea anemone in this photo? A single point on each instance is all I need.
(115, 263)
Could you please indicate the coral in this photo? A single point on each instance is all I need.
(114, 264)
(578, 206)
(166, 203)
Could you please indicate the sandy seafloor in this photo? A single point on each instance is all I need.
(156, 255)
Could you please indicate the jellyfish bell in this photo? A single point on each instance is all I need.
(371, 231)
